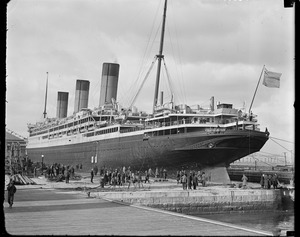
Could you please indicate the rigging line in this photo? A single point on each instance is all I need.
(149, 37)
(282, 140)
(180, 95)
(270, 154)
(131, 89)
(280, 145)
(262, 161)
(137, 80)
(179, 59)
(143, 82)
(168, 78)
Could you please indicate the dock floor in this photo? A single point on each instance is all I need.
(49, 211)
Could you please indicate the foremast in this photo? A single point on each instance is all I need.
(160, 56)
(45, 108)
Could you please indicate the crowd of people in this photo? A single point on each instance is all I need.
(57, 170)
(121, 176)
(191, 180)
(126, 176)
(268, 181)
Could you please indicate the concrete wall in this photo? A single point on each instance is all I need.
(201, 201)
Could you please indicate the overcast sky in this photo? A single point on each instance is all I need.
(212, 48)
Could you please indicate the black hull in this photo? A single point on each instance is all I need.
(171, 151)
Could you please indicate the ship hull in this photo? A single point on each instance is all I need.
(171, 151)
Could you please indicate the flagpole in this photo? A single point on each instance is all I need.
(256, 88)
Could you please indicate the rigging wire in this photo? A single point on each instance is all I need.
(181, 77)
(281, 140)
(145, 55)
(143, 82)
(281, 145)
(181, 94)
(269, 154)
(168, 78)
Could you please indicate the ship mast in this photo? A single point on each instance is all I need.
(45, 113)
(160, 57)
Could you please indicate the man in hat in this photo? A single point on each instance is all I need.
(11, 190)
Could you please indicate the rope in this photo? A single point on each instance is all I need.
(282, 140)
(143, 82)
(280, 145)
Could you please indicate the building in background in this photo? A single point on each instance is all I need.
(15, 152)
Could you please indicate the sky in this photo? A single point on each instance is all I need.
(212, 48)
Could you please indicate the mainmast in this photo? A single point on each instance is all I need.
(160, 57)
(45, 113)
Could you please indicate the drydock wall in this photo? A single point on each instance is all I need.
(201, 201)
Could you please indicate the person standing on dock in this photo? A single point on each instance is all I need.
(275, 181)
(269, 181)
(92, 175)
(203, 179)
(11, 190)
(149, 172)
(147, 176)
(68, 176)
(244, 179)
(189, 180)
(266, 181)
(96, 169)
(183, 181)
(195, 181)
(262, 181)
(178, 177)
(34, 171)
(156, 173)
(164, 174)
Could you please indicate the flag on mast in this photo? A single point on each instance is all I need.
(271, 79)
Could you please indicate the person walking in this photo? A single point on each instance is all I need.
(92, 175)
(11, 190)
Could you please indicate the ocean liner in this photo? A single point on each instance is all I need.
(171, 136)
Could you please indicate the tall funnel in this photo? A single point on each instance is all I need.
(81, 95)
(109, 83)
(62, 104)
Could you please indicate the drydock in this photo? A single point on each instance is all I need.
(158, 208)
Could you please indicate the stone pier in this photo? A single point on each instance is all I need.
(205, 200)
